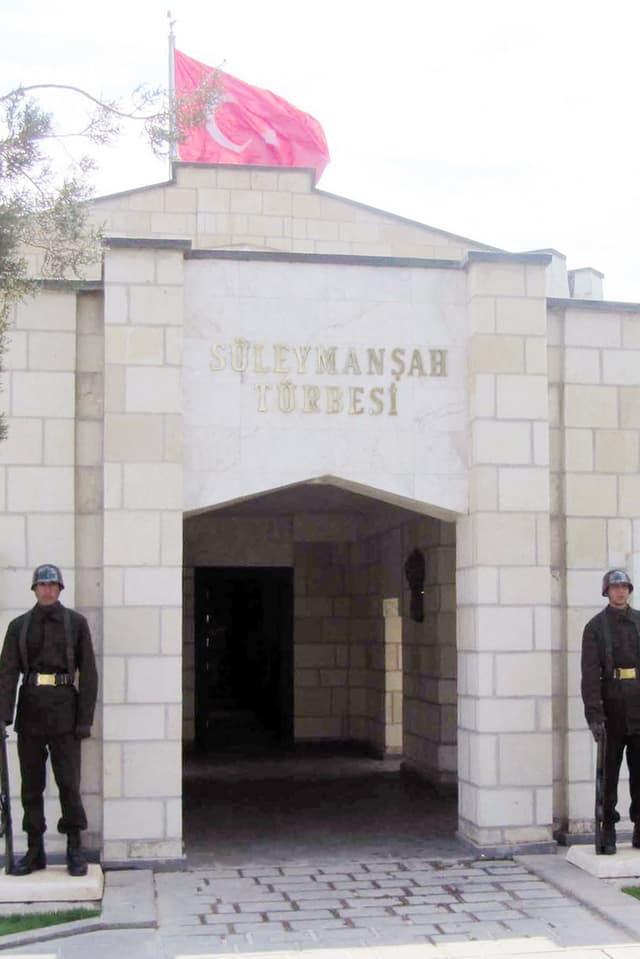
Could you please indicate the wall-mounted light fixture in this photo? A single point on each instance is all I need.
(414, 569)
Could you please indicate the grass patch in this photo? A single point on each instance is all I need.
(24, 921)
(632, 891)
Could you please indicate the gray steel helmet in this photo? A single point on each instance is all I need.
(615, 577)
(48, 573)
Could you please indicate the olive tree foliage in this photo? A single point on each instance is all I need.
(43, 201)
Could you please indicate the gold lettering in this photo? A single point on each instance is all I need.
(280, 353)
(217, 361)
(239, 355)
(376, 398)
(352, 365)
(257, 359)
(311, 399)
(376, 362)
(393, 410)
(416, 364)
(301, 353)
(397, 356)
(262, 389)
(334, 399)
(355, 394)
(438, 362)
(326, 360)
(286, 396)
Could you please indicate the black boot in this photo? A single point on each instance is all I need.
(635, 841)
(34, 859)
(608, 839)
(76, 857)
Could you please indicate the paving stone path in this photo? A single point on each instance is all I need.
(367, 903)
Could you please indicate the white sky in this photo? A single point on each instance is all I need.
(514, 122)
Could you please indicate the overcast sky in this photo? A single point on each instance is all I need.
(513, 123)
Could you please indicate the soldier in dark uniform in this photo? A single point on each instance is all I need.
(611, 696)
(49, 645)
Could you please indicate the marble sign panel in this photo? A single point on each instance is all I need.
(350, 374)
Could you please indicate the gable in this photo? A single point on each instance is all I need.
(271, 209)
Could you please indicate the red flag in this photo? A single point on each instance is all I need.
(249, 125)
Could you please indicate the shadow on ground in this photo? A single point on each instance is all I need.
(273, 805)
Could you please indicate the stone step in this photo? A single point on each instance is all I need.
(53, 884)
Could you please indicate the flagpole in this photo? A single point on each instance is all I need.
(173, 146)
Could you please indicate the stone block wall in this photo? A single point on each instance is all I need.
(321, 641)
(265, 209)
(38, 459)
(142, 554)
(88, 525)
(47, 476)
(503, 561)
(430, 661)
(594, 350)
(367, 707)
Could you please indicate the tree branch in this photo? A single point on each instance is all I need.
(102, 104)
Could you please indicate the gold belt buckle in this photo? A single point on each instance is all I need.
(627, 673)
(46, 679)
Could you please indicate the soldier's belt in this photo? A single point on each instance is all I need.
(49, 679)
(631, 673)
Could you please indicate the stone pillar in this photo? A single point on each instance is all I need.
(143, 551)
(89, 434)
(392, 677)
(598, 506)
(503, 574)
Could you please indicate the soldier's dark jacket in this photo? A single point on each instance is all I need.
(617, 701)
(45, 648)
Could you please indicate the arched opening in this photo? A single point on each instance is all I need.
(316, 698)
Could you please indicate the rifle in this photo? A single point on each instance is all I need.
(600, 784)
(6, 828)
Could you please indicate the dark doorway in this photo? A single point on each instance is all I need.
(243, 657)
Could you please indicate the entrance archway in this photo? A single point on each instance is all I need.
(302, 660)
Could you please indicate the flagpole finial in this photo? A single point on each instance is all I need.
(171, 23)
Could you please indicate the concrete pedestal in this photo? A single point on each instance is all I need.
(53, 884)
(625, 863)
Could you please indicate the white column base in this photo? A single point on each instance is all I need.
(625, 863)
(53, 884)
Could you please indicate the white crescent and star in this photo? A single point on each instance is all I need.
(216, 133)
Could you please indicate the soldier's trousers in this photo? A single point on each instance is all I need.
(615, 749)
(65, 754)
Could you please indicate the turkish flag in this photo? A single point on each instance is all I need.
(248, 125)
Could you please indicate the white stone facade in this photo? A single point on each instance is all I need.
(260, 375)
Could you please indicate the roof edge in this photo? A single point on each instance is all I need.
(314, 189)
(77, 286)
(603, 306)
(146, 243)
(340, 259)
(484, 256)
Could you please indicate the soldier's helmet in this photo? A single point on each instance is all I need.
(47, 573)
(614, 577)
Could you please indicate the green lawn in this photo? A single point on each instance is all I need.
(632, 891)
(22, 922)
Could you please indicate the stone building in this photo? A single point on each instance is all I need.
(235, 434)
